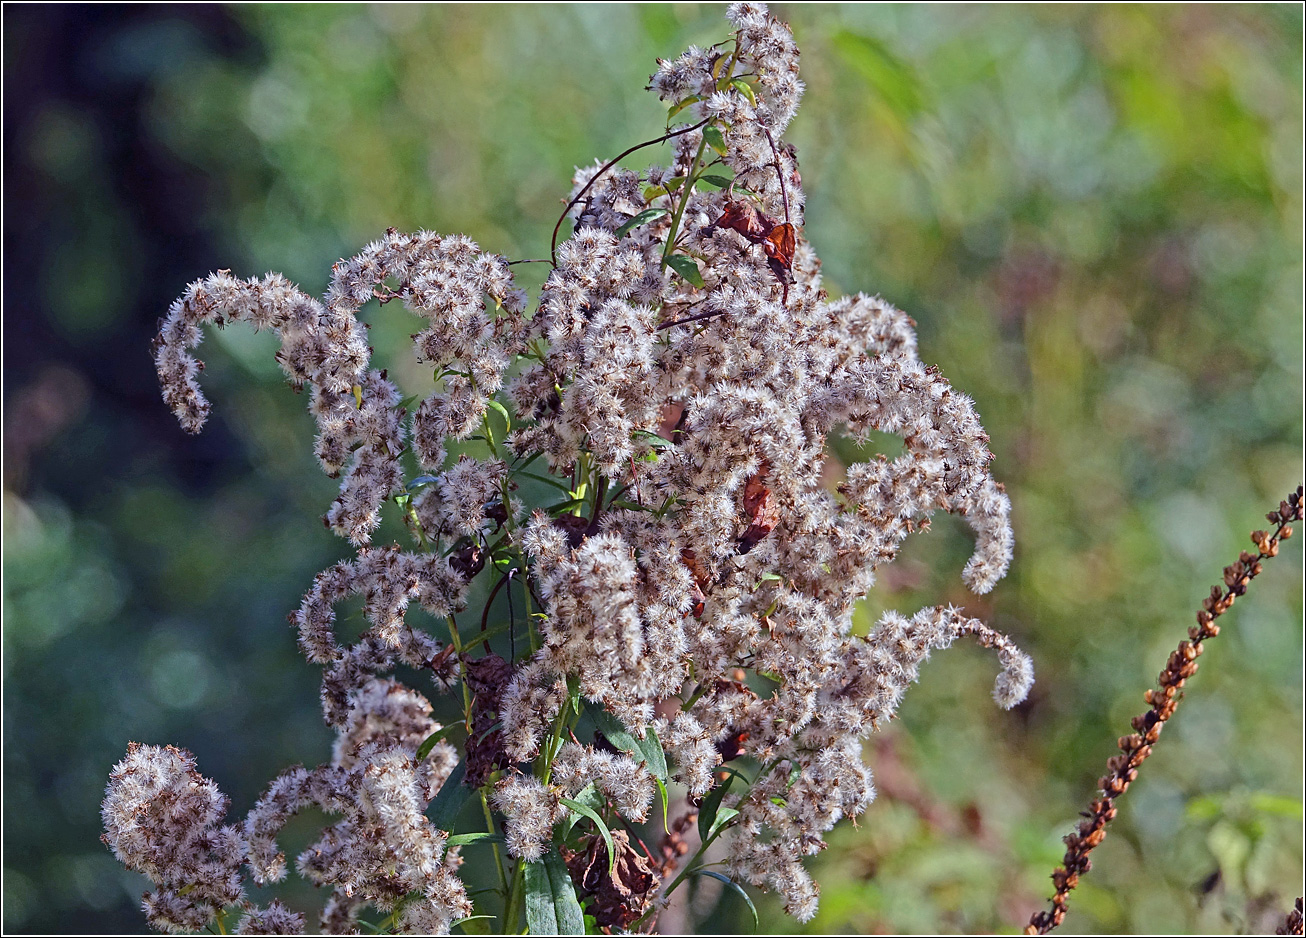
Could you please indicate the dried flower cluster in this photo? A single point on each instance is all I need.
(691, 596)
(1122, 770)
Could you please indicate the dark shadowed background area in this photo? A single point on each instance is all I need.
(1094, 214)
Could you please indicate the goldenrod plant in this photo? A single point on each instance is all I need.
(639, 482)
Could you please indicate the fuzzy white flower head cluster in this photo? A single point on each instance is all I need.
(693, 592)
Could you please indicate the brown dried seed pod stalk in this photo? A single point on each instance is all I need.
(1137, 746)
(1292, 925)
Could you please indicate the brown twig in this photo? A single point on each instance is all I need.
(1134, 748)
(779, 170)
(681, 322)
(553, 243)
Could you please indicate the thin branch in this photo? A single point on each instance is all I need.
(553, 242)
(681, 322)
(1122, 770)
(485, 613)
(779, 171)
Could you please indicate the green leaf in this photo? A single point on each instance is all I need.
(557, 483)
(589, 795)
(562, 507)
(551, 906)
(480, 930)
(645, 216)
(418, 482)
(721, 182)
(686, 267)
(711, 805)
(652, 438)
(446, 806)
(656, 759)
(490, 633)
(648, 750)
(502, 410)
(629, 506)
(723, 819)
(682, 104)
(573, 694)
(662, 792)
(745, 89)
(519, 464)
(476, 837)
(795, 773)
(671, 185)
(586, 811)
(733, 885)
(713, 138)
(428, 744)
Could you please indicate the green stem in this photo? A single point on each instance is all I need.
(600, 489)
(553, 245)
(462, 672)
(685, 192)
(531, 633)
(512, 910)
(559, 724)
(489, 826)
(689, 868)
(488, 433)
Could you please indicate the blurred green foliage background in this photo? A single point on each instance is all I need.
(1094, 213)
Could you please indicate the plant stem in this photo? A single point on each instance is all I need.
(512, 908)
(1122, 770)
(462, 672)
(553, 244)
(498, 857)
(685, 192)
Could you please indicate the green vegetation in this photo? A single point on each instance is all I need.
(1093, 213)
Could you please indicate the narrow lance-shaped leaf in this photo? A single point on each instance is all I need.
(712, 136)
(745, 89)
(721, 182)
(687, 268)
(589, 796)
(447, 805)
(477, 837)
(642, 218)
(587, 811)
(682, 104)
(551, 904)
(707, 814)
(648, 750)
(428, 744)
(733, 885)
(503, 411)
